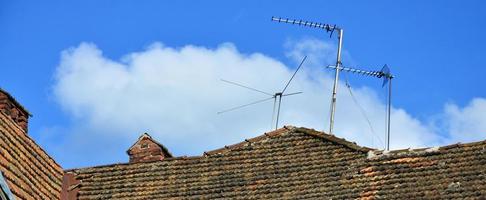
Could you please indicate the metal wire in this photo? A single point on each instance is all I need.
(244, 86)
(290, 94)
(361, 109)
(293, 75)
(238, 107)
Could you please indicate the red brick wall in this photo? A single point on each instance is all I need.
(145, 150)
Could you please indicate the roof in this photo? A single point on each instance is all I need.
(286, 162)
(14, 101)
(295, 163)
(28, 170)
(450, 172)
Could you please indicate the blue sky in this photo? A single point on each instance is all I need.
(435, 48)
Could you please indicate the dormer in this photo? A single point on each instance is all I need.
(10, 107)
(146, 150)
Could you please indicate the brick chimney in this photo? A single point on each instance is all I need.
(146, 150)
(10, 107)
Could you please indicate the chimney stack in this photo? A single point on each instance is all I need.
(10, 107)
(147, 150)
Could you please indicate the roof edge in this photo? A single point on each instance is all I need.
(15, 102)
(382, 154)
(334, 139)
(312, 132)
(290, 129)
(73, 170)
(31, 140)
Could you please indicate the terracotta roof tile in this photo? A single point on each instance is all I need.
(29, 171)
(295, 163)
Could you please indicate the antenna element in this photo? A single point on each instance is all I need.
(328, 28)
(277, 95)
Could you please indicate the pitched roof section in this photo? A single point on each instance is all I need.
(295, 163)
(450, 172)
(286, 163)
(286, 130)
(28, 170)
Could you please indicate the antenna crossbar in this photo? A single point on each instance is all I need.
(378, 74)
(326, 27)
(245, 105)
(244, 86)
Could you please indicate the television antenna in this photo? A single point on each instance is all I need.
(387, 78)
(331, 29)
(277, 97)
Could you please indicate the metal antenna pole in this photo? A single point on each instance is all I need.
(273, 112)
(336, 78)
(279, 95)
(389, 114)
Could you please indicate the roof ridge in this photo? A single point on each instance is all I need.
(137, 163)
(333, 138)
(228, 148)
(422, 150)
(289, 129)
(292, 129)
(204, 155)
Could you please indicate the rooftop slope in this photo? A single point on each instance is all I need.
(29, 172)
(294, 163)
(451, 172)
(287, 163)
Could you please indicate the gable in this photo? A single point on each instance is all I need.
(147, 150)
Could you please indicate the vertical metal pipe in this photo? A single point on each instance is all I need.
(389, 114)
(273, 113)
(336, 78)
(278, 111)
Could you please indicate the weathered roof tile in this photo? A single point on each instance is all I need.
(295, 163)
(29, 171)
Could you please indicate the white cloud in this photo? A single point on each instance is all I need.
(468, 123)
(175, 93)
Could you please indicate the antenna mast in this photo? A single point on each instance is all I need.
(387, 78)
(328, 28)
